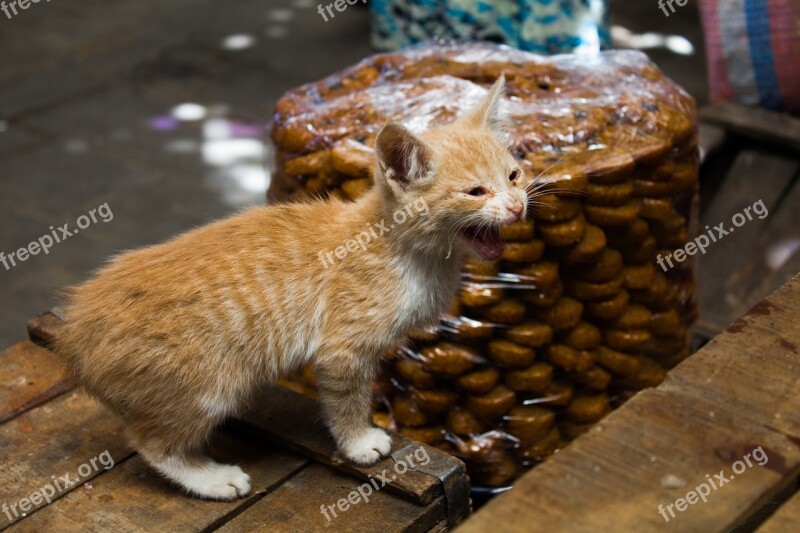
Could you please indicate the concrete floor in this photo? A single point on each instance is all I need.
(86, 92)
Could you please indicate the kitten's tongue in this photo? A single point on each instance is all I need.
(485, 241)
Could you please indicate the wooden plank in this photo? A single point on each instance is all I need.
(132, 497)
(754, 367)
(754, 176)
(786, 518)
(29, 376)
(297, 506)
(755, 123)
(52, 440)
(276, 415)
(740, 393)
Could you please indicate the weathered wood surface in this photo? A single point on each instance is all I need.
(296, 506)
(786, 518)
(52, 440)
(29, 375)
(734, 272)
(739, 393)
(131, 497)
(276, 417)
(756, 123)
(48, 430)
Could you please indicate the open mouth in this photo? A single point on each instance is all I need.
(485, 241)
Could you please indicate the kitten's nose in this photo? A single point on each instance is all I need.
(516, 208)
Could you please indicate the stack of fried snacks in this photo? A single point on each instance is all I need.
(579, 314)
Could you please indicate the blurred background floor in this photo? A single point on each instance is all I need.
(159, 109)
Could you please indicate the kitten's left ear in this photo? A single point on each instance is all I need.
(403, 158)
(487, 114)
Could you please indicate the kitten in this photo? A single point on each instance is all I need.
(178, 337)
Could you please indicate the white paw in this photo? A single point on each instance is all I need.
(368, 449)
(222, 482)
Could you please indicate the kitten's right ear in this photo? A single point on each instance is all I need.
(403, 157)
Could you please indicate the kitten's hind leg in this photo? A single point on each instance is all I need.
(199, 475)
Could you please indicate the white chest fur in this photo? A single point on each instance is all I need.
(427, 289)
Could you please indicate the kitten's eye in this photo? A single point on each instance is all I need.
(514, 175)
(477, 191)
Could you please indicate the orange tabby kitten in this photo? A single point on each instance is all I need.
(180, 336)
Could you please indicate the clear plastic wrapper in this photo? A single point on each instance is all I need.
(579, 313)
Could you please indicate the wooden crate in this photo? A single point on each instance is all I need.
(49, 428)
(750, 154)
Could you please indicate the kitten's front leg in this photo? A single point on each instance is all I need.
(345, 387)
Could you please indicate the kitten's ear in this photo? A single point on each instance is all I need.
(403, 157)
(487, 114)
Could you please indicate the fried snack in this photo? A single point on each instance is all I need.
(588, 249)
(507, 353)
(588, 408)
(555, 208)
(631, 340)
(523, 252)
(507, 312)
(644, 188)
(541, 275)
(638, 276)
(529, 423)
(521, 231)
(565, 314)
(352, 158)
(563, 233)
(650, 374)
(665, 322)
(608, 267)
(547, 445)
(305, 165)
(414, 372)
(657, 208)
(432, 401)
(633, 317)
(479, 381)
(533, 334)
(462, 422)
(448, 358)
(493, 404)
(608, 309)
(466, 329)
(594, 378)
(556, 394)
(613, 216)
(535, 378)
(477, 295)
(492, 466)
(633, 233)
(589, 291)
(476, 270)
(407, 413)
(618, 362)
(568, 359)
(644, 252)
(612, 167)
(615, 194)
(431, 435)
(584, 336)
(544, 298)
